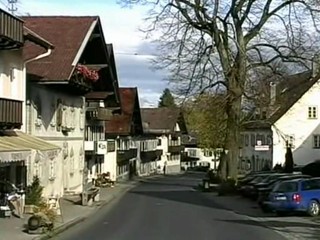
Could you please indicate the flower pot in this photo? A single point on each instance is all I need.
(29, 209)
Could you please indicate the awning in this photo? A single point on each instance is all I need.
(17, 146)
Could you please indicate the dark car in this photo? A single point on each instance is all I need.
(247, 187)
(253, 192)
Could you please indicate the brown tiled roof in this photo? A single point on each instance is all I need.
(121, 124)
(66, 34)
(35, 38)
(289, 91)
(159, 120)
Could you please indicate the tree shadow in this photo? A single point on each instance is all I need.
(301, 226)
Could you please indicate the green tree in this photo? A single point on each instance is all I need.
(166, 99)
(205, 116)
(34, 192)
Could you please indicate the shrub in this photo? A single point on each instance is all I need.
(45, 209)
(227, 187)
(34, 192)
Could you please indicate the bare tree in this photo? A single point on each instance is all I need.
(210, 44)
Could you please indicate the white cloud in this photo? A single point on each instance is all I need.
(120, 27)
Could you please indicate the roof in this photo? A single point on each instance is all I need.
(35, 38)
(67, 35)
(160, 120)
(256, 124)
(289, 91)
(121, 124)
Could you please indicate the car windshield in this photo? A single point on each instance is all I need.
(286, 187)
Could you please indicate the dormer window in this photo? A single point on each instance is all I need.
(312, 112)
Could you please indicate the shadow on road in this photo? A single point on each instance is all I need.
(300, 227)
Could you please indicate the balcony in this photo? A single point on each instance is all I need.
(98, 113)
(11, 31)
(185, 157)
(175, 148)
(149, 156)
(10, 113)
(126, 155)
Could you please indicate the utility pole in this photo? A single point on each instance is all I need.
(12, 6)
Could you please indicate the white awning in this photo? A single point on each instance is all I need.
(17, 146)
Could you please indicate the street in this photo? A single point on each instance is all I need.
(168, 208)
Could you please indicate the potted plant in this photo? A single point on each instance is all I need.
(33, 196)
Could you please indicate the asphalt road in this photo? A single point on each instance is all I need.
(167, 209)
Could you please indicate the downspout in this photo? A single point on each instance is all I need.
(28, 116)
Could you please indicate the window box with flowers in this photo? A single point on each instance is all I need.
(85, 75)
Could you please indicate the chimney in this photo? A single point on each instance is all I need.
(273, 92)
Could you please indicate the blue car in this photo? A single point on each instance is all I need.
(298, 195)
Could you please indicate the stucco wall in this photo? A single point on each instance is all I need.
(296, 122)
(13, 79)
(42, 122)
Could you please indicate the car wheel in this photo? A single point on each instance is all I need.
(281, 213)
(313, 208)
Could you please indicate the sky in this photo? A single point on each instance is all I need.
(121, 28)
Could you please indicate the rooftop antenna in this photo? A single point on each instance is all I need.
(12, 6)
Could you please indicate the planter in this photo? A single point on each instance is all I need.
(29, 209)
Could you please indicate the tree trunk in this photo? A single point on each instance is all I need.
(233, 111)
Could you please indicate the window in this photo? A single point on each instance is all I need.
(123, 144)
(246, 140)
(312, 112)
(253, 140)
(149, 145)
(316, 141)
(174, 157)
(111, 146)
(241, 140)
(192, 152)
(310, 185)
(207, 153)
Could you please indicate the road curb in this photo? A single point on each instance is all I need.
(78, 220)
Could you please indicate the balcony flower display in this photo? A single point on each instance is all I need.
(87, 73)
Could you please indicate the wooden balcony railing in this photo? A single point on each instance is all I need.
(126, 155)
(175, 148)
(99, 113)
(11, 31)
(10, 113)
(148, 156)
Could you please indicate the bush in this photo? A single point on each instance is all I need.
(227, 187)
(45, 209)
(34, 192)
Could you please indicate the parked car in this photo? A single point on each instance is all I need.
(263, 193)
(254, 190)
(298, 195)
(249, 186)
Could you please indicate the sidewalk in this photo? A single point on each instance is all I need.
(72, 213)
(291, 227)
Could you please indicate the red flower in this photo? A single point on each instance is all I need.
(87, 73)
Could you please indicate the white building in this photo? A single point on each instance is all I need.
(124, 130)
(56, 90)
(18, 150)
(167, 125)
(295, 118)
